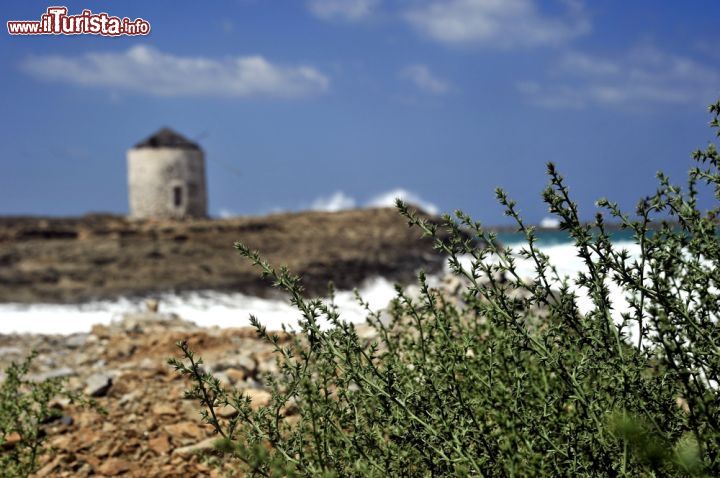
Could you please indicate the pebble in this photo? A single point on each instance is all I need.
(16, 351)
(114, 467)
(163, 409)
(259, 398)
(98, 384)
(234, 375)
(160, 444)
(185, 429)
(226, 411)
(240, 362)
(55, 373)
(186, 451)
(76, 340)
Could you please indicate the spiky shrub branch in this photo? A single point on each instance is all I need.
(24, 409)
(514, 379)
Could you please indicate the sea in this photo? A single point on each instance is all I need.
(223, 309)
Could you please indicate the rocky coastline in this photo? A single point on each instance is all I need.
(56, 260)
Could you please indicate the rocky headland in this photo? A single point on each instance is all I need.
(55, 260)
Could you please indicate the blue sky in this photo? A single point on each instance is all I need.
(340, 103)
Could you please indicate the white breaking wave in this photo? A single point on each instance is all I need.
(567, 263)
(565, 259)
(550, 223)
(205, 308)
(222, 309)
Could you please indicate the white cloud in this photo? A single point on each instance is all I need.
(585, 64)
(424, 79)
(143, 69)
(225, 213)
(388, 200)
(643, 75)
(333, 203)
(503, 23)
(349, 10)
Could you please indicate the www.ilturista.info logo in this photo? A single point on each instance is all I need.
(56, 21)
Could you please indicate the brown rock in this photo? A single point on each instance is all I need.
(185, 430)
(114, 467)
(108, 427)
(163, 409)
(49, 469)
(186, 451)
(259, 398)
(98, 384)
(12, 439)
(159, 444)
(91, 460)
(235, 375)
(61, 442)
(100, 331)
(83, 440)
(226, 411)
(152, 305)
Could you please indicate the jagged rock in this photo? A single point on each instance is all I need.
(129, 397)
(226, 411)
(56, 373)
(185, 430)
(11, 351)
(100, 331)
(259, 398)
(160, 444)
(76, 340)
(241, 362)
(163, 409)
(49, 467)
(139, 323)
(152, 305)
(366, 332)
(115, 466)
(12, 439)
(98, 384)
(267, 365)
(85, 470)
(224, 379)
(186, 451)
(236, 375)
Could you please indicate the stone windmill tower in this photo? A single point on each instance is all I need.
(166, 177)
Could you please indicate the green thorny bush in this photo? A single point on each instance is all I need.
(25, 406)
(514, 380)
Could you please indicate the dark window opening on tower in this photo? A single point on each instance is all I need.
(177, 196)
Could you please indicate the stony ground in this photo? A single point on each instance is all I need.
(150, 430)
